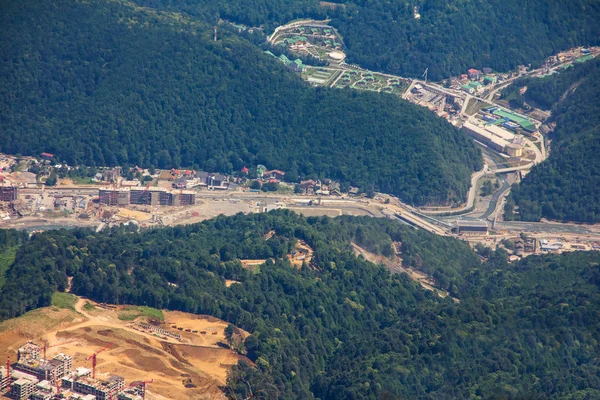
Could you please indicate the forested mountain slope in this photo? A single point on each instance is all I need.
(105, 83)
(342, 327)
(547, 91)
(566, 186)
(448, 37)
(452, 36)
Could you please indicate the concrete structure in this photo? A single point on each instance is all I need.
(21, 389)
(111, 174)
(79, 396)
(41, 369)
(8, 193)
(130, 394)
(336, 55)
(101, 390)
(149, 196)
(114, 197)
(496, 138)
(44, 390)
(524, 122)
(29, 350)
(471, 227)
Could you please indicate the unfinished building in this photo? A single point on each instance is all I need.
(21, 389)
(29, 362)
(103, 390)
(114, 197)
(8, 193)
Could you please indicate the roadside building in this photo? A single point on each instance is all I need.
(274, 174)
(471, 227)
(180, 183)
(495, 138)
(307, 187)
(468, 88)
(489, 80)
(476, 85)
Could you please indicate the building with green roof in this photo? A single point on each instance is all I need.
(522, 121)
(467, 88)
(284, 58)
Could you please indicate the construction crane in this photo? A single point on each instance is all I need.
(141, 385)
(46, 347)
(93, 358)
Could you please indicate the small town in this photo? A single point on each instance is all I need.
(38, 192)
(267, 199)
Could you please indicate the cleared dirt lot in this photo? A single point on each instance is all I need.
(193, 368)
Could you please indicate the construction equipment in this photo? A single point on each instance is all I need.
(46, 347)
(142, 386)
(93, 358)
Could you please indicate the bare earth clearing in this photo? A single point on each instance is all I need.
(199, 361)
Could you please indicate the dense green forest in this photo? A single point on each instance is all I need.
(102, 83)
(566, 186)
(341, 327)
(452, 36)
(448, 38)
(547, 91)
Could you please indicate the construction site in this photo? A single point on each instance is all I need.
(105, 352)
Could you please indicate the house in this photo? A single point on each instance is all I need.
(308, 186)
(464, 77)
(202, 177)
(180, 183)
(474, 74)
(218, 180)
(274, 174)
(244, 170)
(353, 191)
(212, 180)
(111, 174)
(47, 156)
